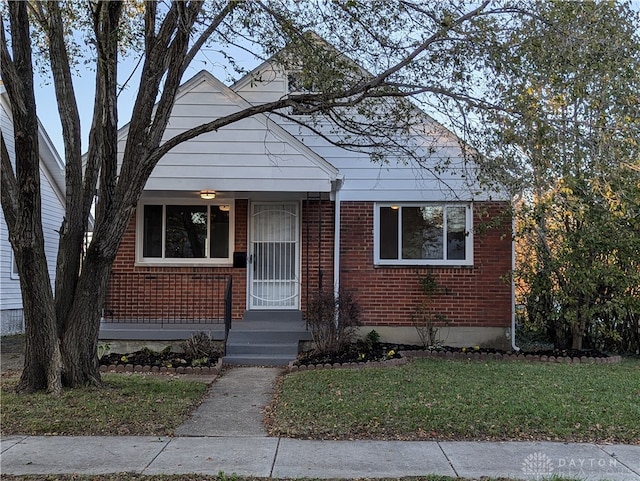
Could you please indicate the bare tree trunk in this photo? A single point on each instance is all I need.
(42, 367)
(80, 336)
(579, 326)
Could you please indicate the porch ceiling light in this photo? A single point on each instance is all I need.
(395, 207)
(225, 208)
(208, 194)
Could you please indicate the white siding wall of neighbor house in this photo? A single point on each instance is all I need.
(11, 321)
(10, 297)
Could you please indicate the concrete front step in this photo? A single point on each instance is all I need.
(258, 359)
(252, 348)
(273, 315)
(265, 338)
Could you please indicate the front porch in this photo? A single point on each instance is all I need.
(170, 306)
(260, 338)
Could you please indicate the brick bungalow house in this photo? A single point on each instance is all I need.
(284, 213)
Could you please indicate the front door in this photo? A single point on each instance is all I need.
(275, 256)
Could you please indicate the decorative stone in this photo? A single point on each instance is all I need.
(155, 369)
(137, 368)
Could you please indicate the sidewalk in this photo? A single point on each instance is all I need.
(293, 458)
(226, 434)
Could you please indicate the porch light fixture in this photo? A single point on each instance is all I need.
(395, 207)
(208, 194)
(225, 208)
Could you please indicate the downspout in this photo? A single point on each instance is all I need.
(513, 286)
(336, 237)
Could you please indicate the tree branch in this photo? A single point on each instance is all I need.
(213, 26)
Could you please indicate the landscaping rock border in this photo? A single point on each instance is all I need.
(529, 357)
(349, 365)
(163, 370)
(469, 356)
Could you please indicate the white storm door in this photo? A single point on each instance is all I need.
(274, 261)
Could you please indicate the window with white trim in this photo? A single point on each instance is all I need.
(185, 232)
(423, 234)
(14, 267)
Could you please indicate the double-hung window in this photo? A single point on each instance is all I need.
(190, 232)
(14, 267)
(423, 234)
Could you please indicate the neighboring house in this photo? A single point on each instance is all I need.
(292, 214)
(53, 189)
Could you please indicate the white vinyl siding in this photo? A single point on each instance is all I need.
(52, 215)
(398, 179)
(250, 155)
(10, 297)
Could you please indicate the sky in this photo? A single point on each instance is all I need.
(84, 86)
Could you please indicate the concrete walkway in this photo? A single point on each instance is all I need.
(226, 434)
(235, 404)
(293, 458)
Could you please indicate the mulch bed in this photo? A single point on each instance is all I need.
(397, 354)
(160, 362)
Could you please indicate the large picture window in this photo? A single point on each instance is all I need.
(423, 234)
(194, 233)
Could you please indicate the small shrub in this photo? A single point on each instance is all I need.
(368, 343)
(199, 346)
(103, 350)
(333, 320)
(424, 318)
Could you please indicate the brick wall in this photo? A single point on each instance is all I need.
(316, 248)
(478, 295)
(180, 293)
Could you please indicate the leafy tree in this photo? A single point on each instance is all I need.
(569, 133)
(407, 48)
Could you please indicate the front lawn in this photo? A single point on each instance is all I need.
(127, 405)
(442, 399)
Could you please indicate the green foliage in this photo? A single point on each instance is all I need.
(367, 345)
(568, 137)
(103, 349)
(332, 320)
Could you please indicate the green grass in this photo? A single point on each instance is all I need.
(440, 399)
(127, 405)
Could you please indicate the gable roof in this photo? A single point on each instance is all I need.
(252, 154)
(205, 76)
